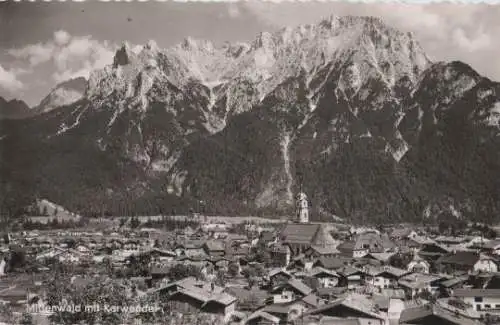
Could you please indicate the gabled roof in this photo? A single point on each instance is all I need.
(417, 280)
(460, 258)
(377, 271)
(200, 290)
(312, 300)
(454, 281)
(326, 320)
(491, 244)
(401, 232)
(331, 263)
(299, 233)
(383, 257)
(477, 293)
(348, 271)
(262, 314)
(295, 284)
(356, 302)
(323, 238)
(215, 245)
(278, 270)
(319, 270)
(418, 314)
(325, 250)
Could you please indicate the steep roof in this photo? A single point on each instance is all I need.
(477, 293)
(417, 315)
(460, 258)
(356, 302)
(215, 245)
(299, 233)
(323, 238)
(331, 263)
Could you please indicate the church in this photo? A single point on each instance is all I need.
(302, 235)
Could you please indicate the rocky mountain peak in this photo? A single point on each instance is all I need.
(346, 103)
(123, 55)
(63, 94)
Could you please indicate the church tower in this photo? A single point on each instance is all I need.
(302, 208)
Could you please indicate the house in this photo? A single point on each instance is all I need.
(249, 299)
(301, 263)
(159, 257)
(354, 277)
(450, 241)
(407, 245)
(450, 285)
(331, 263)
(403, 233)
(332, 293)
(492, 247)
(278, 275)
(190, 249)
(83, 249)
(287, 312)
(214, 248)
(383, 277)
(236, 252)
(69, 256)
(131, 245)
(486, 264)
(280, 255)
(353, 306)
(432, 251)
(435, 315)
(326, 278)
(321, 251)
(289, 291)
(365, 243)
(457, 262)
(192, 296)
(267, 237)
(416, 283)
(382, 258)
(262, 318)
(419, 265)
(482, 300)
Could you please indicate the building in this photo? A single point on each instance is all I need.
(419, 265)
(480, 299)
(289, 291)
(486, 264)
(353, 306)
(302, 208)
(383, 277)
(192, 296)
(435, 315)
(457, 262)
(326, 278)
(416, 283)
(300, 237)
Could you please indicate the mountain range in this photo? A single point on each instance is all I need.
(350, 110)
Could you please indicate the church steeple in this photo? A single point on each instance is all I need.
(302, 208)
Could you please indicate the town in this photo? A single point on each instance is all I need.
(200, 270)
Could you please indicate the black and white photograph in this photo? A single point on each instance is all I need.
(249, 163)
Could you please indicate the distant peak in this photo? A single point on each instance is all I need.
(123, 55)
(151, 45)
(190, 44)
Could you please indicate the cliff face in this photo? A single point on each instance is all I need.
(349, 107)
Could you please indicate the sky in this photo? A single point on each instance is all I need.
(49, 42)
